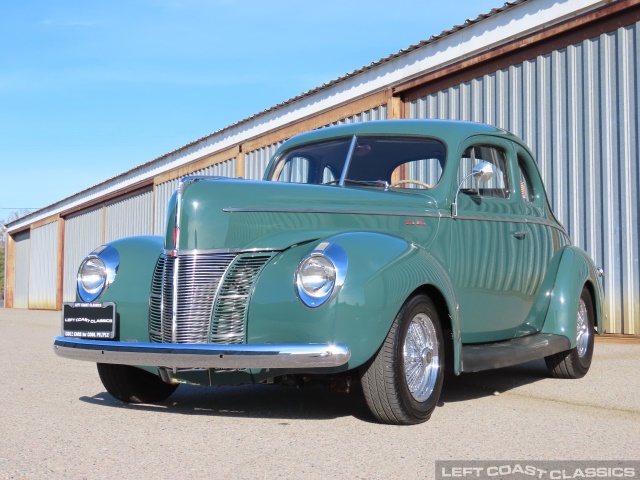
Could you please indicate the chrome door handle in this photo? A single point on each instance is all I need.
(520, 234)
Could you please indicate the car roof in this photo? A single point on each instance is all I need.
(451, 131)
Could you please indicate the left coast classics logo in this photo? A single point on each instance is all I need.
(551, 470)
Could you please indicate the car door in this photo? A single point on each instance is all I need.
(542, 235)
(486, 245)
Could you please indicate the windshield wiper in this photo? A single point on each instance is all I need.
(369, 183)
(347, 161)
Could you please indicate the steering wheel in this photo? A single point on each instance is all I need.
(417, 182)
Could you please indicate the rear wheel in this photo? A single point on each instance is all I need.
(403, 381)
(133, 385)
(575, 363)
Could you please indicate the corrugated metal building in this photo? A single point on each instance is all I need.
(563, 75)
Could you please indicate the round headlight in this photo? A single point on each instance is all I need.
(317, 276)
(92, 277)
(320, 274)
(97, 272)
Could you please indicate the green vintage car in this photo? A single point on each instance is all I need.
(381, 252)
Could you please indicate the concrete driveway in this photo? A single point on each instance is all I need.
(57, 421)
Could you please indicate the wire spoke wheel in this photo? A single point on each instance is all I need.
(582, 329)
(575, 363)
(421, 357)
(403, 381)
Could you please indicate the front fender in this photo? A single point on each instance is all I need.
(383, 271)
(576, 269)
(132, 285)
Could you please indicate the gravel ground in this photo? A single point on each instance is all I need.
(56, 421)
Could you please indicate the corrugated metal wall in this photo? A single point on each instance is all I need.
(378, 113)
(43, 267)
(21, 280)
(82, 234)
(163, 191)
(256, 161)
(129, 216)
(578, 110)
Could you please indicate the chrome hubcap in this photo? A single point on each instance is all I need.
(421, 359)
(582, 327)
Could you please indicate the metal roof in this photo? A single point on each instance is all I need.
(324, 86)
(150, 165)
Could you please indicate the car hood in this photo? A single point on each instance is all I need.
(244, 214)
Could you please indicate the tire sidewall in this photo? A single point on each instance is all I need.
(414, 408)
(584, 362)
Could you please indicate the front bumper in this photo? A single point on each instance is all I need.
(178, 355)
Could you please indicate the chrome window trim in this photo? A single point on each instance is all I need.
(511, 220)
(347, 162)
(326, 210)
(359, 212)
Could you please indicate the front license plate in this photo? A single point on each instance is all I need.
(89, 320)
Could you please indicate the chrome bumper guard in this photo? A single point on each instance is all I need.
(179, 355)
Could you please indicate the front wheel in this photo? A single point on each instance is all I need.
(575, 363)
(403, 381)
(133, 385)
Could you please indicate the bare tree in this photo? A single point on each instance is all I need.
(14, 215)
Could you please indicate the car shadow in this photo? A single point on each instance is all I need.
(252, 401)
(470, 386)
(318, 402)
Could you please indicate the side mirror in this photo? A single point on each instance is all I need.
(482, 172)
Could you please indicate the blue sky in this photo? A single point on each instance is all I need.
(89, 90)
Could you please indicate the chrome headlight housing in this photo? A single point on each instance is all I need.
(321, 274)
(97, 272)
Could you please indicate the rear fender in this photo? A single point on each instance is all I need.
(575, 271)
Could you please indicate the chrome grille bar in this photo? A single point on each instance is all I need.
(230, 309)
(203, 298)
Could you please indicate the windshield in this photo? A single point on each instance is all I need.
(402, 162)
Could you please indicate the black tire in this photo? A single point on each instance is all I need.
(575, 363)
(133, 385)
(384, 382)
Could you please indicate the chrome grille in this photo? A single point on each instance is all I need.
(211, 297)
(231, 303)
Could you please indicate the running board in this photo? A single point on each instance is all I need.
(487, 356)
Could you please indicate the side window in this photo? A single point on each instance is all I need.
(328, 176)
(498, 186)
(526, 188)
(426, 171)
(295, 170)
